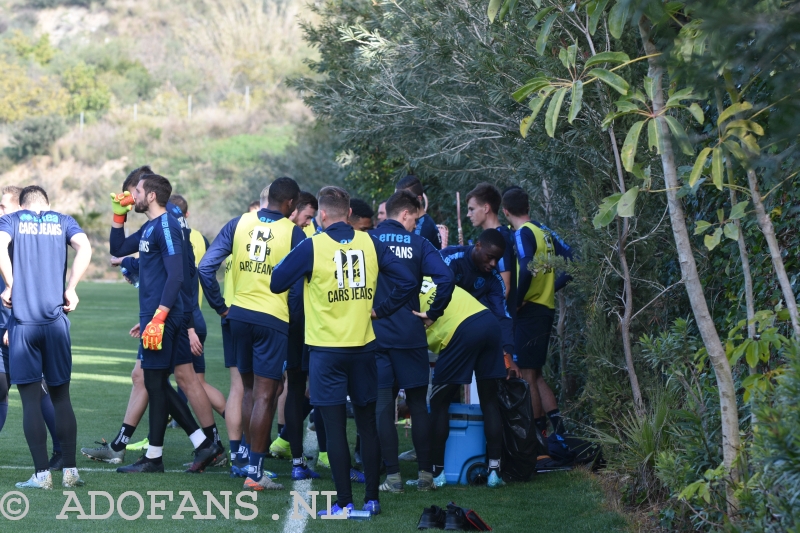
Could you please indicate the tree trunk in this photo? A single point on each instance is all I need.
(691, 280)
(625, 319)
(765, 224)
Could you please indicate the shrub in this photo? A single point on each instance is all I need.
(35, 136)
(86, 91)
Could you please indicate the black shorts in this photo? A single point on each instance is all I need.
(259, 349)
(40, 349)
(476, 346)
(199, 361)
(227, 344)
(183, 351)
(4, 350)
(333, 376)
(532, 335)
(407, 367)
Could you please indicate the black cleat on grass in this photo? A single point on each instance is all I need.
(143, 466)
(203, 457)
(56, 461)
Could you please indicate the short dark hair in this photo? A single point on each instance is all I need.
(492, 237)
(334, 201)
(32, 194)
(486, 193)
(282, 190)
(411, 183)
(400, 201)
(133, 178)
(515, 201)
(306, 199)
(181, 202)
(254, 203)
(159, 185)
(361, 209)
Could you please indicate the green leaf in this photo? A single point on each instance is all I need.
(617, 18)
(607, 211)
(679, 134)
(595, 11)
(562, 56)
(697, 112)
(607, 57)
(751, 144)
(738, 211)
(525, 125)
(683, 94)
(537, 18)
(751, 353)
(731, 231)
(649, 88)
(711, 241)
(701, 226)
(630, 145)
(494, 7)
(508, 7)
(551, 118)
(699, 165)
(748, 125)
(628, 202)
(733, 110)
(544, 34)
(531, 86)
(734, 148)
(577, 100)
(625, 106)
(572, 55)
(611, 117)
(536, 104)
(716, 167)
(721, 215)
(654, 136)
(612, 80)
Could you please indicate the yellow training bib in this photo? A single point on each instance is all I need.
(257, 249)
(339, 297)
(199, 247)
(462, 306)
(542, 290)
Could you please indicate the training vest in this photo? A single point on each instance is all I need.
(258, 247)
(542, 290)
(341, 292)
(199, 246)
(461, 307)
(310, 230)
(228, 283)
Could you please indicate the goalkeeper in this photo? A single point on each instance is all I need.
(160, 246)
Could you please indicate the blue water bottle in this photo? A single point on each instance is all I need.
(134, 278)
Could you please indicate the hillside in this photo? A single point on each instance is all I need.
(194, 90)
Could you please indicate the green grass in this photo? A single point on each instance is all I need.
(245, 149)
(103, 358)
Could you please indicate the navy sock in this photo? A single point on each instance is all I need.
(123, 437)
(235, 449)
(49, 413)
(254, 470)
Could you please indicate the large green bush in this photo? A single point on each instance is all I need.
(35, 136)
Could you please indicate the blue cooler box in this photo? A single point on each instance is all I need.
(466, 445)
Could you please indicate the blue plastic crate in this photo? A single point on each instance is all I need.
(466, 444)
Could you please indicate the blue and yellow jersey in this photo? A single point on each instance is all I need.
(462, 306)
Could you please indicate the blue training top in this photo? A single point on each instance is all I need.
(38, 252)
(426, 227)
(160, 246)
(402, 329)
(486, 287)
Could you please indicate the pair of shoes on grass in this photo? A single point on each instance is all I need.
(44, 480)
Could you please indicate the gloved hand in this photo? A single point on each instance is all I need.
(153, 333)
(121, 203)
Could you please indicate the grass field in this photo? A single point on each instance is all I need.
(103, 356)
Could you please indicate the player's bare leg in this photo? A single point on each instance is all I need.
(263, 393)
(195, 393)
(216, 398)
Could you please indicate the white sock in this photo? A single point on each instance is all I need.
(494, 464)
(73, 471)
(197, 438)
(154, 452)
(41, 476)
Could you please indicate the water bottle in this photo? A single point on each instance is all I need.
(134, 278)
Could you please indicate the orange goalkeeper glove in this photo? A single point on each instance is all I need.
(121, 203)
(153, 333)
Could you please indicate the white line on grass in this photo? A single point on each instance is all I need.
(114, 470)
(302, 488)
